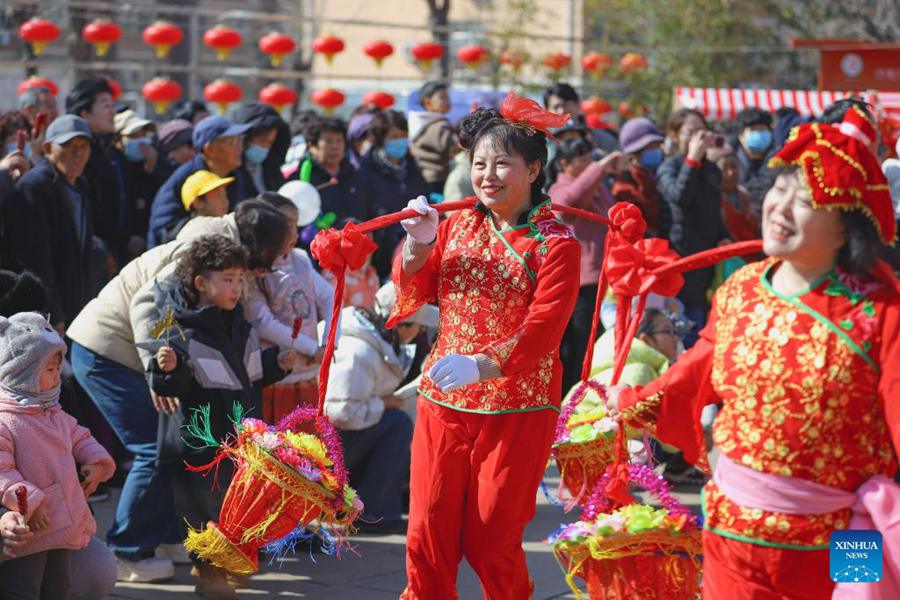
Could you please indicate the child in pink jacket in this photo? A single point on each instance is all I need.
(44, 451)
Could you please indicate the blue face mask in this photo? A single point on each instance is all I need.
(396, 149)
(255, 155)
(650, 159)
(134, 149)
(759, 140)
(10, 148)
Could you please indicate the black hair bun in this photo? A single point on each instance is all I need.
(472, 124)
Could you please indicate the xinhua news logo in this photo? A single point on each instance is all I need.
(856, 556)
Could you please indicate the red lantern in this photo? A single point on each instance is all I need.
(328, 45)
(557, 62)
(161, 91)
(278, 95)
(223, 40)
(378, 51)
(277, 46)
(115, 86)
(382, 100)
(596, 63)
(162, 35)
(38, 33)
(328, 99)
(515, 58)
(595, 106)
(101, 33)
(426, 53)
(597, 122)
(473, 56)
(625, 110)
(632, 62)
(35, 81)
(223, 93)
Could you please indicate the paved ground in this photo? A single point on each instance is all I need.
(376, 573)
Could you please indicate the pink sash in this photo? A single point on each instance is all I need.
(876, 505)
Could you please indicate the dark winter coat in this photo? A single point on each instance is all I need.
(388, 189)
(114, 213)
(694, 198)
(346, 198)
(220, 364)
(44, 239)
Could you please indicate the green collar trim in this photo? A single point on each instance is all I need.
(795, 301)
(531, 274)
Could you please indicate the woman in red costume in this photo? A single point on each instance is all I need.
(505, 277)
(803, 352)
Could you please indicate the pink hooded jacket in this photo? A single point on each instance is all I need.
(39, 449)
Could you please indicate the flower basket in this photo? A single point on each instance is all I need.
(635, 552)
(584, 445)
(283, 480)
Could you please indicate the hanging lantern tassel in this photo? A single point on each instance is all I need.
(161, 91)
(38, 33)
(277, 46)
(101, 33)
(223, 40)
(328, 45)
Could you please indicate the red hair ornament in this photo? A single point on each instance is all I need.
(527, 112)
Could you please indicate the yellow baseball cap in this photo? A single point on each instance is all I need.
(200, 183)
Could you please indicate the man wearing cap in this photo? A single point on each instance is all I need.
(143, 175)
(52, 212)
(113, 214)
(221, 145)
(636, 183)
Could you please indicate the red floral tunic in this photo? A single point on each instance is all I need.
(504, 293)
(809, 386)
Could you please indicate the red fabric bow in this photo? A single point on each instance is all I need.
(630, 268)
(528, 112)
(627, 221)
(337, 250)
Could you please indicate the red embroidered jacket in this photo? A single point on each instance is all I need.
(505, 293)
(809, 386)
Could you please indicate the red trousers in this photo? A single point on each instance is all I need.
(473, 484)
(743, 571)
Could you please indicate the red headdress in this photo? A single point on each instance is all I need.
(530, 114)
(840, 168)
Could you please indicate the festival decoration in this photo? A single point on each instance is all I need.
(38, 32)
(278, 95)
(115, 86)
(427, 52)
(223, 93)
(556, 63)
(595, 106)
(596, 63)
(473, 56)
(328, 45)
(223, 40)
(328, 99)
(285, 480)
(163, 35)
(277, 46)
(382, 100)
(595, 121)
(378, 50)
(633, 551)
(161, 91)
(35, 81)
(632, 62)
(515, 58)
(101, 34)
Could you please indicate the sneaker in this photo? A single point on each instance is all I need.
(101, 494)
(174, 552)
(146, 570)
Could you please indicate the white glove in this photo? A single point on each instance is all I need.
(453, 371)
(422, 229)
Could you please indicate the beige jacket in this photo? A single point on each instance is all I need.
(104, 325)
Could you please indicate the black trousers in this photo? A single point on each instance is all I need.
(39, 576)
(576, 337)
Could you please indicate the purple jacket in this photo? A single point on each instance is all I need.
(588, 192)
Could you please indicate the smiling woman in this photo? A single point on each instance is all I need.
(505, 276)
(802, 351)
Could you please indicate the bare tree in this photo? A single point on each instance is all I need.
(438, 19)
